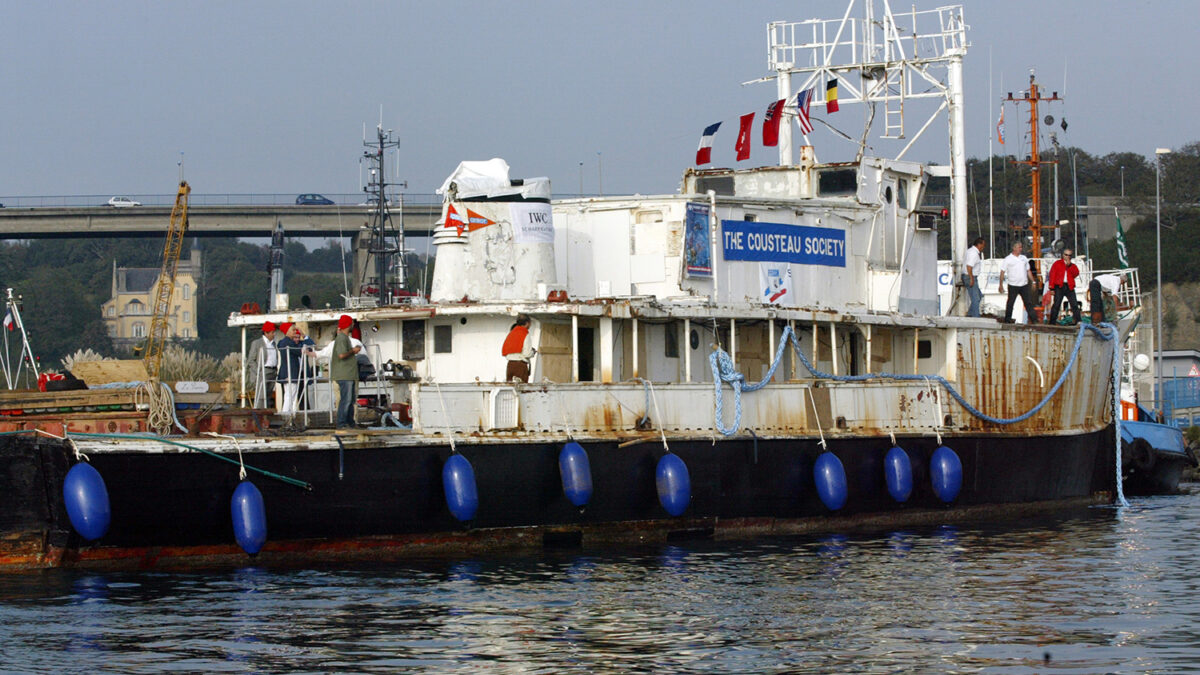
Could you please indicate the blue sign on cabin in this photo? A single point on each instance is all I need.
(777, 242)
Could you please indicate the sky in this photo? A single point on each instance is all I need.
(272, 97)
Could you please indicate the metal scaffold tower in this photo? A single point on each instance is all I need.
(879, 58)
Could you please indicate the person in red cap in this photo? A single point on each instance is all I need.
(293, 369)
(264, 365)
(343, 369)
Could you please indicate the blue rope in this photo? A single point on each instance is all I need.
(723, 371)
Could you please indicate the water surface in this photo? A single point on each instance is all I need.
(1093, 590)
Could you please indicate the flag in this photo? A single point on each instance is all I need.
(1122, 251)
(743, 140)
(454, 220)
(476, 221)
(831, 104)
(704, 152)
(776, 282)
(8, 320)
(802, 101)
(771, 122)
(1000, 126)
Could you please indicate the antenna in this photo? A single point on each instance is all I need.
(387, 240)
(1032, 97)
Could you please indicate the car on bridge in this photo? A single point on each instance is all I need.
(122, 202)
(314, 199)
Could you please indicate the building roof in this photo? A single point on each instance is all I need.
(140, 279)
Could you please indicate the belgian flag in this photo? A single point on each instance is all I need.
(831, 104)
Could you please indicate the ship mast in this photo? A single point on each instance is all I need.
(1032, 97)
(386, 246)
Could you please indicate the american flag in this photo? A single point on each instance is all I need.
(802, 101)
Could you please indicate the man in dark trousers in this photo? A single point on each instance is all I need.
(343, 369)
(1062, 282)
(1015, 270)
(518, 350)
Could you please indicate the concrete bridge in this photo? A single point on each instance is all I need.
(206, 221)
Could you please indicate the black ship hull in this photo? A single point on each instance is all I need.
(174, 508)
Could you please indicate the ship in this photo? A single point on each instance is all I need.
(762, 352)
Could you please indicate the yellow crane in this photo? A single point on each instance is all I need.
(157, 339)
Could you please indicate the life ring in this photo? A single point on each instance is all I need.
(1143, 455)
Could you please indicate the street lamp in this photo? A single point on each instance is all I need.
(1158, 153)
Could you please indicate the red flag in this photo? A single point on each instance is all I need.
(454, 220)
(476, 221)
(743, 139)
(771, 123)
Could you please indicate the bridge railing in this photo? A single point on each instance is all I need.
(201, 199)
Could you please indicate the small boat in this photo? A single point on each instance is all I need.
(1153, 455)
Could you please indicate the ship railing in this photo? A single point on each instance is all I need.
(1129, 296)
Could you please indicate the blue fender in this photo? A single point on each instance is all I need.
(945, 472)
(830, 478)
(576, 473)
(86, 499)
(897, 469)
(249, 517)
(674, 484)
(458, 480)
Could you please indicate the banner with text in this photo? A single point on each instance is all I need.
(778, 242)
(533, 223)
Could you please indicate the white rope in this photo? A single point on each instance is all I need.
(445, 413)
(241, 462)
(817, 418)
(937, 422)
(79, 456)
(893, 435)
(658, 416)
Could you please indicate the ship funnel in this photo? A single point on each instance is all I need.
(495, 238)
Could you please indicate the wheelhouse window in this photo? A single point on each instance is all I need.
(442, 340)
(837, 182)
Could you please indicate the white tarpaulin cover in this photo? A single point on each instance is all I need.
(490, 179)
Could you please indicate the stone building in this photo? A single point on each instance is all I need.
(128, 314)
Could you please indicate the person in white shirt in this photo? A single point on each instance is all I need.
(1104, 284)
(1015, 270)
(970, 275)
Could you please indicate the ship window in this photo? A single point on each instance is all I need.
(671, 345)
(887, 194)
(924, 349)
(837, 182)
(441, 340)
(749, 217)
(412, 337)
(722, 185)
(694, 340)
(902, 194)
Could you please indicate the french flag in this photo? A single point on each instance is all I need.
(704, 152)
(8, 320)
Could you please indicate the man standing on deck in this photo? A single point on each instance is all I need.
(343, 368)
(1015, 268)
(1062, 282)
(264, 365)
(970, 275)
(518, 349)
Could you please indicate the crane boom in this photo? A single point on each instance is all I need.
(156, 340)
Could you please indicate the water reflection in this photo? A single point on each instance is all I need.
(1098, 589)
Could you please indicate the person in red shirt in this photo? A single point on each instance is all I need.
(1062, 284)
